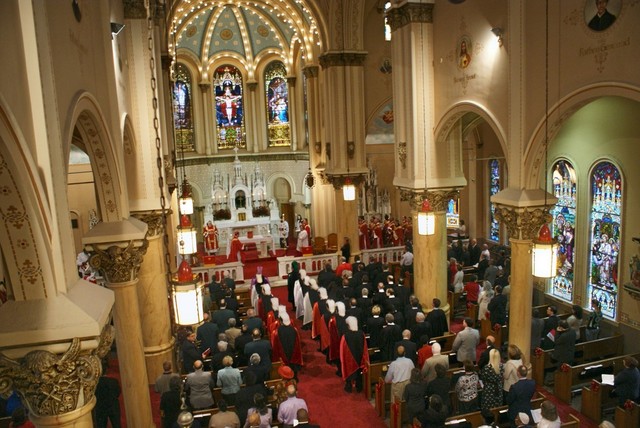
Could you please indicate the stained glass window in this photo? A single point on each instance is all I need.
(182, 109)
(277, 91)
(387, 27)
(564, 227)
(227, 82)
(453, 213)
(606, 207)
(494, 187)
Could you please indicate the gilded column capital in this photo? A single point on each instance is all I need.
(252, 85)
(119, 262)
(408, 13)
(291, 80)
(438, 199)
(153, 220)
(522, 223)
(204, 86)
(338, 180)
(51, 384)
(310, 71)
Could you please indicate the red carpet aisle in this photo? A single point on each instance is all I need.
(329, 405)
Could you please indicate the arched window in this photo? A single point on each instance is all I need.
(277, 95)
(606, 207)
(227, 83)
(183, 110)
(564, 227)
(387, 27)
(494, 187)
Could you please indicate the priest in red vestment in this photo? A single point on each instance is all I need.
(363, 233)
(285, 343)
(235, 246)
(354, 355)
(210, 235)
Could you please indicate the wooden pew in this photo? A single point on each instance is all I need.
(275, 365)
(457, 304)
(595, 397)
(396, 413)
(585, 352)
(575, 375)
(573, 422)
(500, 413)
(382, 397)
(474, 418)
(445, 341)
(628, 418)
(501, 334)
(371, 375)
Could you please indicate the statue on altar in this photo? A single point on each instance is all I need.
(283, 229)
(210, 234)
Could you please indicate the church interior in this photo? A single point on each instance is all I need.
(130, 130)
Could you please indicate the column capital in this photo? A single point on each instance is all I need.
(154, 221)
(291, 80)
(310, 71)
(252, 85)
(204, 86)
(134, 9)
(52, 384)
(119, 262)
(409, 13)
(522, 223)
(438, 199)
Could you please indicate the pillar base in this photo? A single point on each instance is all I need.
(154, 356)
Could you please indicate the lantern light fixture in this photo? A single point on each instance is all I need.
(426, 220)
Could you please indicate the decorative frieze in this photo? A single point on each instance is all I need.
(438, 199)
(51, 384)
(119, 263)
(522, 223)
(310, 71)
(154, 221)
(338, 180)
(343, 59)
(409, 13)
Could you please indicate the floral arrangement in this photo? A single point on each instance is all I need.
(222, 214)
(261, 211)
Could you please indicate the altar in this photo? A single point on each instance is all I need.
(263, 243)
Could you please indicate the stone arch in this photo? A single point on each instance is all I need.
(26, 232)
(271, 181)
(90, 123)
(558, 114)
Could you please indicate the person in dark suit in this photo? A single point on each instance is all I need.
(437, 319)
(391, 333)
(474, 252)
(537, 325)
(519, 396)
(222, 315)
(441, 386)
(498, 307)
(484, 357)
(627, 382)
(207, 334)
(259, 346)
(565, 345)
(244, 397)
(410, 313)
(375, 323)
(107, 403)
(190, 353)
(603, 18)
(170, 403)
(550, 323)
(421, 331)
(410, 348)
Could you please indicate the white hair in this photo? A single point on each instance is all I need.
(266, 289)
(342, 310)
(275, 302)
(313, 283)
(323, 293)
(303, 273)
(286, 320)
(331, 305)
(282, 309)
(352, 323)
(436, 348)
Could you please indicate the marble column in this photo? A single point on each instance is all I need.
(58, 389)
(430, 252)
(153, 298)
(523, 225)
(117, 251)
(347, 225)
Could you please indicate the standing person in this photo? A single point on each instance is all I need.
(234, 248)
(565, 345)
(492, 379)
(107, 403)
(466, 342)
(399, 374)
(593, 322)
(286, 345)
(467, 389)
(288, 409)
(210, 235)
(283, 230)
(437, 319)
(520, 395)
(294, 275)
(511, 367)
(229, 380)
(199, 385)
(436, 414)
(261, 408)
(345, 250)
(429, 371)
(497, 307)
(441, 386)
(575, 320)
(484, 300)
(627, 382)
(162, 382)
(406, 262)
(354, 355)
(414, 394)
(170, 403)
(225, 418)
(549, 415)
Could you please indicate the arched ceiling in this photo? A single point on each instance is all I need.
(245, 29)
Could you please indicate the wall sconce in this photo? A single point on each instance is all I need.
(351, 149)
(497, 31)
(116, 29)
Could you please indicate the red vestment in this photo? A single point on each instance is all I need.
(363, 235)
(236, 247)
(334, 340)
(348, 363)
(279, 354)
(210, 238)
